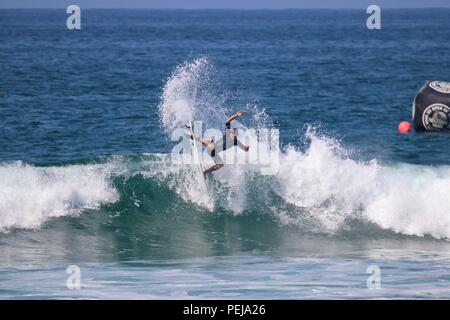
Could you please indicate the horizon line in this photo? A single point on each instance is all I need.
(236, 9)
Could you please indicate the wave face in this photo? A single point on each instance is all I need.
(320, 190)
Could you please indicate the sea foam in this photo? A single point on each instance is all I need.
(30, 195)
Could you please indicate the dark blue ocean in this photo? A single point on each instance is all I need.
(87, 176)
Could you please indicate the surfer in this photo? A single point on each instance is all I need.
(228, 140)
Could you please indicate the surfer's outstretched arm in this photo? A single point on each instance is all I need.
(191, 136)
(242, 146)
(202, 141)
(232, 118)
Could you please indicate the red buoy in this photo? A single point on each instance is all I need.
(404, 127)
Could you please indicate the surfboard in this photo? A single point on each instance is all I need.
(198, 162)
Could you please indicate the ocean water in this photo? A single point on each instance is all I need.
(87, 177)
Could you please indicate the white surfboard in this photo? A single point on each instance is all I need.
(198, 162)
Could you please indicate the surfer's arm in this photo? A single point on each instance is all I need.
(242, 146)
(232, 118)
(192, 137)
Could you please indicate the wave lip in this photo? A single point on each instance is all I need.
(29, 195)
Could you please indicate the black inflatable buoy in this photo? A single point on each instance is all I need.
(431, 107)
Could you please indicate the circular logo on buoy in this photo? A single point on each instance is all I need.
(440, 86)
(436, 117)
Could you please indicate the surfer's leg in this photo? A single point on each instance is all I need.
(213, 168)
(218, 163)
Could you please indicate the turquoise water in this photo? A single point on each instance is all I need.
(87, 179)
